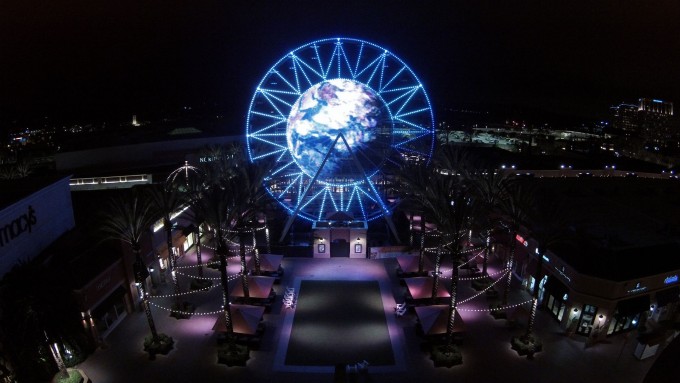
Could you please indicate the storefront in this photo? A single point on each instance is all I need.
(104, 300)
(556, 295)
(628, 314)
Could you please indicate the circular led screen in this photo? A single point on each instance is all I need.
(334, 119)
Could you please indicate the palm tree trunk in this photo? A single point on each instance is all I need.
(437, 266)
(141, 282)
(510, 260)
(56, 355)
(266, 235)
(421, 256)
(257, 253)
(452, 302)
(222, 255)
(487, 250)
(244, 268)
(410, 230)
(534, 293)
(197, 236)
(173, 260)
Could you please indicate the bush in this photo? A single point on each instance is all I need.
(526, 345)
(233, 354)
(446, 356)
(73, 377)
(162, 345)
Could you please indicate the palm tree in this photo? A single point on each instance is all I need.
(164, 203)
(217, 207)
(488, 186)
(516, 201)
(414, 179)
(251, 199)
(547, 224)
(128, 219)
(40, 321)
(449, 203)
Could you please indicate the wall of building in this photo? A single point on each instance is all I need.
(30, 225)
(156, 153)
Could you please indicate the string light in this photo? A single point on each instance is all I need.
(495, 308)
(231, 278)
(483, 291)
(197, 265)
(481, 276)
(185, 293)
(181, 312)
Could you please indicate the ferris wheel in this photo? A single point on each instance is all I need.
(336, 117)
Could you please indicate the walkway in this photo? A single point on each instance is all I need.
(487, 356)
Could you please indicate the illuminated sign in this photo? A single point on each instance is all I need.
(637, 289)
(17, 226)
(671, 279)
(522, 240)
(562, 273)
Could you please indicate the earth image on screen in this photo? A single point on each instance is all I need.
(330, 108)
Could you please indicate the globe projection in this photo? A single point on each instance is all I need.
(333, 120)
(334, 108)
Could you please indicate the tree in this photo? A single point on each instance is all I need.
(217, 206)
(40, 322)
(129, 219)
(487, 186)
(164, 203)
(548, 225)
(414, 179)
(516, 201)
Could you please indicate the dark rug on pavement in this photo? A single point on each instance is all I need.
(339, 322)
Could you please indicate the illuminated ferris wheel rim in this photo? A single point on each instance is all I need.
(395, 84)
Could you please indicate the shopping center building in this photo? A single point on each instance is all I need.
(617, 267)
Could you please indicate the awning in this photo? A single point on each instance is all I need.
(633, 305)
(268, 262)
(258, 287)
(555, 287)
(244, 319)
(409, 263)
(667, 296)
(421, 288)
(435, 319)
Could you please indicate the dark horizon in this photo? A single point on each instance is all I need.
(72, 59)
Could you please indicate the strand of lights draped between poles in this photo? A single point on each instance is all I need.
(457, 309)
(186, 312)
(479, 277)
(483, 291)
(182, 294)
(497, 308)
(207, 278)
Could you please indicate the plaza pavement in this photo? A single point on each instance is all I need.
(485, 346)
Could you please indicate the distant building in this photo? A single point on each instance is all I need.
(625, 117)
(655, 124)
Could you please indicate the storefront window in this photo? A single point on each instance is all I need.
(109, 312)
(587, 317)
(622, 323)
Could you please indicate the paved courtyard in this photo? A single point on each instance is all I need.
(485, 346)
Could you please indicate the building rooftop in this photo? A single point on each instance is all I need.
(16, 189)
(618, 228)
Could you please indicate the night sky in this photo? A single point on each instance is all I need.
(96, 58)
